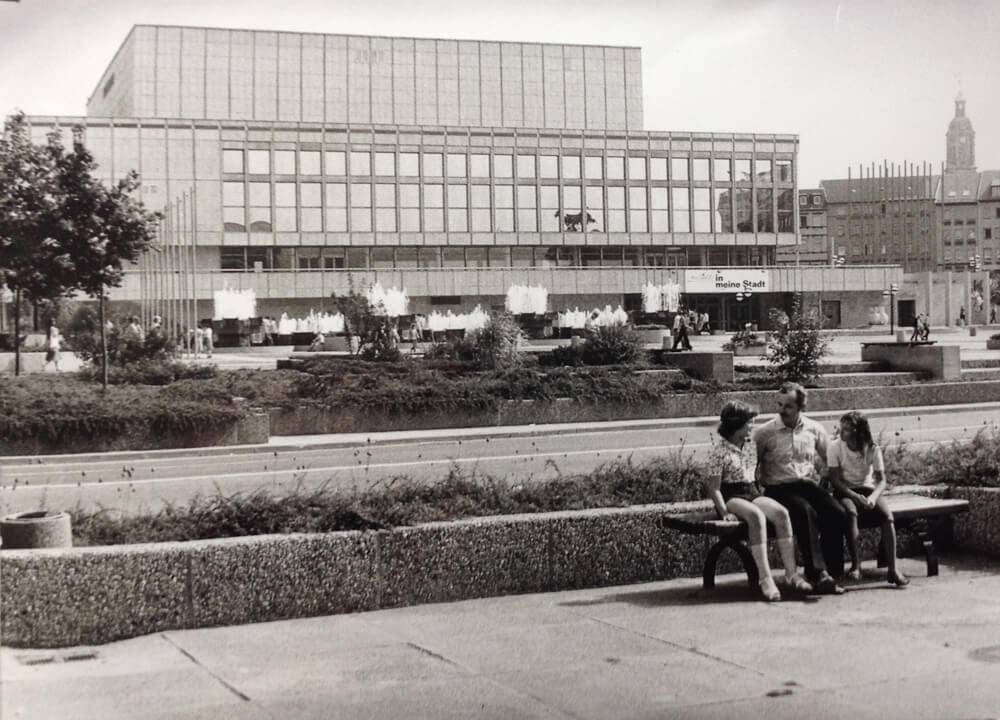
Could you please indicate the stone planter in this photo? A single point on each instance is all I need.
(39, 529)
(750, 350)
(993, 344)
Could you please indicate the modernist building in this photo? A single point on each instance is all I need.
(300, 165)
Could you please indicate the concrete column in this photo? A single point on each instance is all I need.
(947, 299)
(967, 299)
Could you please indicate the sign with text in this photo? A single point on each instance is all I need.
(726, 281)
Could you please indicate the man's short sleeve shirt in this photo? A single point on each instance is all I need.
(788, 455)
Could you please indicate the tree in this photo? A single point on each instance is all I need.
(35, 265)
(61, 229)
(103, 226)
(797, 343)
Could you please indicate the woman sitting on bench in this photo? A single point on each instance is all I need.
(857, 473)
(732, 490)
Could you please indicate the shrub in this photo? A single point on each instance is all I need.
(995, 336)
(797, 344)
(743, 338)
(149, 371)
(495, 345)
(612, 345)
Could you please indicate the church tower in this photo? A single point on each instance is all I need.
(961, 139)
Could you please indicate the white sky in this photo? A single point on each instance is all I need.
(859, 81)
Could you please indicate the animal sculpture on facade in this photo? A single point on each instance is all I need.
(573, 222)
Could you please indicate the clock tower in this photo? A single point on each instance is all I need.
(961, 140)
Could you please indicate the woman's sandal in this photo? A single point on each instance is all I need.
(769, 590)
(799, 583)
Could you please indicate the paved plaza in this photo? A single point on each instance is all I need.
(657, 650)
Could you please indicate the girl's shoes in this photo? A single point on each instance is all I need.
(854, 574)
(799, 584)
(898, 579)
(769, 590)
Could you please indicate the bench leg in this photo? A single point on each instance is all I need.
(922, 529)
(741, 550)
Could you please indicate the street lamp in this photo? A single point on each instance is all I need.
(891, 294)
(840, 261)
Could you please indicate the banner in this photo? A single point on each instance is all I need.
(726, 281)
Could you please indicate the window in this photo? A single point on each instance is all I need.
(616, 168)
(593, 168)
(637, 168)
(549, 201)
(702, 210)
(361, 163)
(458, 212)
(681, 218)
(763, 170)
(658, 216)
(476, 257)
(571, 167)
(783, 170)
(232, 258)
(723, 170)
(336, 162)
(548, 166)
(260, 206)
(282, 258)
(743, 173)
(409, 164)
(637, 210)
(456, 165)
(284, 207)
(616, 209)
(658, 168)
(406, 257)
(479, 165)
(522, 256)
(526, 166)
(700, 169)
(311, 198)
(357, 258)
(258, 162)
(817, 200)
(233, 207)
(744, 210)
(723, 210)
(429, 257)
(309, 162)
(433, 165)
(503, 197)
(308, 258)
(232, 161)
(385, 207)
(987, 233)
(803, 200)
(409, 207)
(284, 162)
(595, 206)
(336, 207)
(481, 208)
(765, 209)
(433, 207)
(527, 213)
(452, 257)
(385, 164)
(382, 258)
(361, 207)
(503, 166)
(679, 168)
(258, 258)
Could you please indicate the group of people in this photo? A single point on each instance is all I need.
(686, 322)
(921, 328)
(778, 478)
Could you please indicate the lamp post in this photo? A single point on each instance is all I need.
(744, 295)
(891, 294)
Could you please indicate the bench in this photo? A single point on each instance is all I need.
(924, 516)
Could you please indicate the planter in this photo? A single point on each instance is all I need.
(39, 529)
(750, 350)
(993, 344)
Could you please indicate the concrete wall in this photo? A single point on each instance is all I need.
(76, 596)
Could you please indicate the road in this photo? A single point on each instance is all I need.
(138, 482)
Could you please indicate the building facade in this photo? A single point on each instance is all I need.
(301, 165)
(813, 247)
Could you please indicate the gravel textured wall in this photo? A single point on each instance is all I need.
(54, 598)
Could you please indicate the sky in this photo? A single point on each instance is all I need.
(858, 81)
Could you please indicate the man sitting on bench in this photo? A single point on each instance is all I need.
(789, 448)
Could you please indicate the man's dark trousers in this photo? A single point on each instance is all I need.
(815, 515)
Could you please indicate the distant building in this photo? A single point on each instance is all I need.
(813, 247)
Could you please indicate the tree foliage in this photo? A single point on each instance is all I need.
(796, 344)
(61, 229)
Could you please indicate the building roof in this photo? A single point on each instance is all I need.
(958, 186)
(903, 187)
(988, 179)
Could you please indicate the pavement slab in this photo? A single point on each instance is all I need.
(655, 650)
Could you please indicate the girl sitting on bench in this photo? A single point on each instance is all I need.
(733, 492)
(857, 473)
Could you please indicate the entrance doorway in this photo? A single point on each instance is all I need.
(831, 314)
(907, 312)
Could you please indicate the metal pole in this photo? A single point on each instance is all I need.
(194, 257)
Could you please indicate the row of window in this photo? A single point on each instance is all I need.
(484, 164)
(412, 207)
(431, 257)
